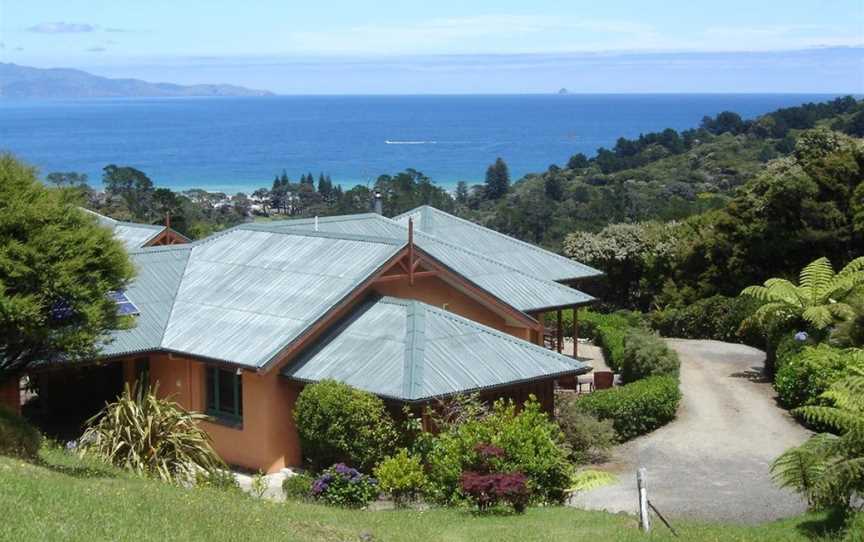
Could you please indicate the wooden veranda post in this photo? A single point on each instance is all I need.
(575, 332)
(411, 251)
(560, 331)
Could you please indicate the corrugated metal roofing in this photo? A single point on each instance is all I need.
(525, 257)
(243, 295)
(159, 271)
(408, 350)
(520, 289)
(132, 235)
(247, 294)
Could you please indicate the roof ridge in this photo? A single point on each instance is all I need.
(415, 345)
(298, 232)
(174, 298)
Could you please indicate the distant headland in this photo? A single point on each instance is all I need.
(26, 82)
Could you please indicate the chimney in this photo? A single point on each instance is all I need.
(379, 206)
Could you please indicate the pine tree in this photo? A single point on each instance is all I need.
(462, 192)
(497, 179)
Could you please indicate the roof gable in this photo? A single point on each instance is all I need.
(411, 351)
(523, 256)
(520, 289)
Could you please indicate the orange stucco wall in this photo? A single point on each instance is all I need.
(267, 439)
(436, 292)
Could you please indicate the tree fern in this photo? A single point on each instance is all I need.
(829, 469)
(818, 298)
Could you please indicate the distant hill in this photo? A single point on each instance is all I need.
(26, 82)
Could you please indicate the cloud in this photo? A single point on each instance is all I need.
(97, 49)
(477, 34)
(514, 34)
(114, 30)
(62, 28)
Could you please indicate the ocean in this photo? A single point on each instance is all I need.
(239, 144)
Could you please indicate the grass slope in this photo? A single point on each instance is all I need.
(64, 498)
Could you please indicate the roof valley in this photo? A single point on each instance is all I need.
(415, 344)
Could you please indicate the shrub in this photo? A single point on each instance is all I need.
(343, 486)
(532, 444)
(717, 317)
(637, 408)
(590, 439)
(608, 332)
(341, 424)
(402, 477)
(787, 347)
(152, 436)
(805, 375)
(487, 490)
(17, 437)
(297, 487)
(646, 354)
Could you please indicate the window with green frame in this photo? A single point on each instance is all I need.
(224, 394)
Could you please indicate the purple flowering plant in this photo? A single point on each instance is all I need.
(342, 485)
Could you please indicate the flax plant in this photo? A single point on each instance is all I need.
(151, 436)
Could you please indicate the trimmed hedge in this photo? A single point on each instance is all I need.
(645, 354)
(17, 437)
(608, 332)
(637, 408)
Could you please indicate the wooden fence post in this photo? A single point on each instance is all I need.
(641, 484)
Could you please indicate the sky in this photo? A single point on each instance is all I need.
(450, 46)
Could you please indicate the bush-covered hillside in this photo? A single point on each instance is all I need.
(660, 176)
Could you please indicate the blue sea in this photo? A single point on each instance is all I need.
(239, 144)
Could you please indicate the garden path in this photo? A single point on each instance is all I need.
(712, 462)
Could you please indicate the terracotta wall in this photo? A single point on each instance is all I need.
(267, 439)
(10, 395)
(436, 292)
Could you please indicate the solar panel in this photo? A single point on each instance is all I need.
(124, 306)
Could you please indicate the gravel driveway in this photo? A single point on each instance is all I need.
(711, 462)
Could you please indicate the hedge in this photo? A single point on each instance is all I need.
(645, 354)
(609, 331)
(635, 409)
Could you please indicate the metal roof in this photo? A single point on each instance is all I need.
(132, 234)
(411, 351)
(523, 256)
(159, 272)
(243, 295)
(520, 289)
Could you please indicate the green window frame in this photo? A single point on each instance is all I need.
(225, 395)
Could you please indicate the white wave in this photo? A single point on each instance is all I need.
(409, 142)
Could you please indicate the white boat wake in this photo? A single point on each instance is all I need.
(390, 142)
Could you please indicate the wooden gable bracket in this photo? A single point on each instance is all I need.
(411, 265)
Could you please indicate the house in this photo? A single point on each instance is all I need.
(236, 324)
(135, 236)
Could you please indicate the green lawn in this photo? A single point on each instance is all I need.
(64, 498)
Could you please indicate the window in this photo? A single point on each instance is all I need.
(224, 394)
